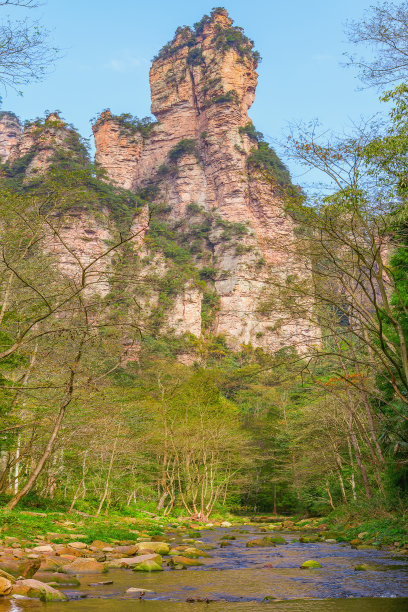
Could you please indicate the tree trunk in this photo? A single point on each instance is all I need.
(57, 426)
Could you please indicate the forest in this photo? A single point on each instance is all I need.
(103, 415)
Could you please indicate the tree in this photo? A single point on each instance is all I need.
(385, 31)
(25, 54)
(59, 314)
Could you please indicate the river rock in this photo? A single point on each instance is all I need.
(84, 566)
(78, 545)
(4, 574)
(25, 569)
(53, 564)
(161, 548)
(129, 550)
(275, 540)
(57, 579)
(226, 524)
(205, 546)
(133, 561)
(189, 551)
(265, 541)
(72, 552)
(309, 539)
(43, 549)
(6, 586)
(135, 591)
(98, 545)
(148, 566)
(183, 561)
(38, 590)
(311, 564)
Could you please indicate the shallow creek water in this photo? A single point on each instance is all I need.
(237, 579)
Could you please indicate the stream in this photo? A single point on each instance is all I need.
(238, 579)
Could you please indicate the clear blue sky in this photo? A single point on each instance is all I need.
(108, 46)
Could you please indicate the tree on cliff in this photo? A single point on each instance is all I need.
(25, 54)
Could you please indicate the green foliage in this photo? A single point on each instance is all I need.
(222, 98)
(208, 273)
(265, 159)
(130, 124)
(194, 209)
(249, 130)
(186, 146)
(195, 57)
(209, 308)
(224, 39)
(234, 38)
(231, 229)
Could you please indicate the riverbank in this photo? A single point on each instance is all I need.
(249, 565)
(30, 526)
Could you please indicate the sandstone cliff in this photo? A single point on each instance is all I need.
(211, 225)
(200, 156)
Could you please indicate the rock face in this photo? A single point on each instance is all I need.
(10, 132)
(199, 154)
(202, 165)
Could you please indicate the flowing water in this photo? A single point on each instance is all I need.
(238, 579)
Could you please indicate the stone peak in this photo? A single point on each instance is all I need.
(8, 116)
(220, 15)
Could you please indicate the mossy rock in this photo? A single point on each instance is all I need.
(228, 537)
(266, 541)
(7, 576)
(148, 566)
(161, 548)
(276, 540)
(309, 539)
(365, 547)
(183, 561)
(364, 567)
(194, 553)
(38, 590)
(311, 564)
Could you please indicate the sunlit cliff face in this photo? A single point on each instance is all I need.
(197, 157)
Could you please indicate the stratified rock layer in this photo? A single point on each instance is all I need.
(10, 133)
(196, 160)
(202, 88)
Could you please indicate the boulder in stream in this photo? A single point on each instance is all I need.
(38, 590)
(311, 564)
(161, 548)
(6, 586)
(84, 566)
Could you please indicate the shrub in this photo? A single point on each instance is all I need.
(184, 147)
(234, 38)
(249, 130)
(264, 158)
(194, 208)
(209, 308)
(195, 57)
(131, 125)
(208, 273)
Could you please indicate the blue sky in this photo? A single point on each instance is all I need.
(108, 46)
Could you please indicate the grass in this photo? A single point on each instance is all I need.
(58, 526)
(49, 524)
